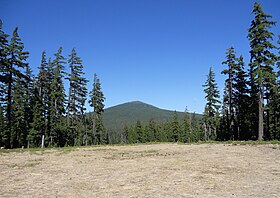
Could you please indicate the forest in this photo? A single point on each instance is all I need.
(38, 111)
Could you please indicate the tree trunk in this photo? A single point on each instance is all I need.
(9, 108)
(68, 108)
(260, 137)
(84, 131)
(93, 128)
(43, 141)
(231, 113)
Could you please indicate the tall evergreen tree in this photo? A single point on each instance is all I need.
(224, 132)
(152, 134)
(262, 60)
(139, 130)
(175, 128)
(16, 63)
(211, 111)
(186, 133)
(228, 99)
(241, 101)
(2, 125)
(235, 101)
(274, 105)
(57, 99)
(4, 46)
(76, 97)
(40, 101)
(97, 102)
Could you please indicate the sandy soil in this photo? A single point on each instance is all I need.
(160, 170)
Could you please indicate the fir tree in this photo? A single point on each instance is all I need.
(139, 132)
(57, 99)
(241, 101)
(211, 111)
(175, 127)
(186, 135)
(274, 105)
(76, 97)
(4, 46)
(16, 63)
(152, 134)
(40, 100)
(2, 125)
(224, 132)
(97, 102)
(262, 60)
(228, 99)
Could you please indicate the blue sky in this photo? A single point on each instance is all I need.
(155, 51)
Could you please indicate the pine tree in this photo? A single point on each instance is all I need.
(253, 105)
(16, 63)
(48, 99)
(139, 132)
(274, 105)
(152, 134)
(195, 128)
(211, 112)
(2, 125)
(4, 46)
(175, 127)
(241, 101)
(224, 132)
(40, 99)
(97, 102)
(262, 60)
(57, 99)
(228, 99)
(28, 96)
(234, 120)
(186, 133)
(76, 97)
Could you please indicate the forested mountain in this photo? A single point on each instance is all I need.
(117, 117)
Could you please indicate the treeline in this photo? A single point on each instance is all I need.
(250, 107)
(174, 130)
(35, 110)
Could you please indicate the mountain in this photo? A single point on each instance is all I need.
(116, 117)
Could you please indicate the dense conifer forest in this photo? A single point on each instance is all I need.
(37, 110)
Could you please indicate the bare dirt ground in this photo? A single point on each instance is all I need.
(159, 170)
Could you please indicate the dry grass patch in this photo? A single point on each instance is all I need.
(157, 170)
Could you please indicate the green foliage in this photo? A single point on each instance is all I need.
(40, 102)
(57, 98)
(235, 114)
(115, 118)
(170, 131)
(16, 94)
(211, 111)
(99, 134)
(262, 61)
(76, 99)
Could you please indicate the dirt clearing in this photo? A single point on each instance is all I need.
(159, 170)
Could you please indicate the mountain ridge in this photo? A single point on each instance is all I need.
(118, 116)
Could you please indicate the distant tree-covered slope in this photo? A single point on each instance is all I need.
(115, 118)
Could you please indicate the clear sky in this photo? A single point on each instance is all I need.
(155, 51)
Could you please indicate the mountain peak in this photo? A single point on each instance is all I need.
(116, 117)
